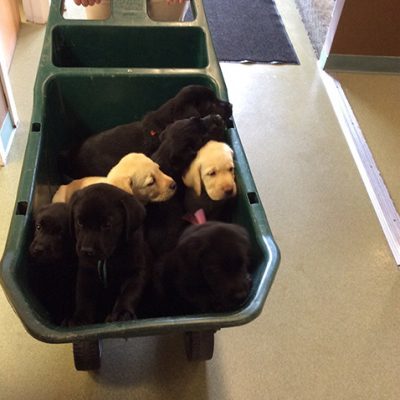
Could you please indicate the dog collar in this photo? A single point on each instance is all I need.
(102, 271)
(197, 218)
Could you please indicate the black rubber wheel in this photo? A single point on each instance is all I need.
(87, 355)
(199, 345)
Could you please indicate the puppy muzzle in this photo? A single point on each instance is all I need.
(224, 193)
(237, 294)
(89, 253)
(165, 194)
(45, 253)
(224, 109)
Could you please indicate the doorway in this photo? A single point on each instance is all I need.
(9, 26)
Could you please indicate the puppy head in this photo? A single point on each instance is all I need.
(216, 257)
(139, 175)
(51, 237)
(214, 169)
(190, 101)
(181, 140)
(203, 100)
(103, 218)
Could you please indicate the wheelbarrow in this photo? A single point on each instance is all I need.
(94, 75)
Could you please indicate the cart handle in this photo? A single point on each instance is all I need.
(126, 12)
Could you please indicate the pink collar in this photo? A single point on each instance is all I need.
(197, 218)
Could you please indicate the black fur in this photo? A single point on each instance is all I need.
(181, 141)
(53, 265)
(100, 152)
(52, 241)
(107, 223)
(206, 272)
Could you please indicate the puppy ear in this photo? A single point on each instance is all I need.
(192, 177)
(134, 214)
(123, 182)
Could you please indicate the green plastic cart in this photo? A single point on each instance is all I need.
(94, 75)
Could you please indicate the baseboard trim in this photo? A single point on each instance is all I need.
(342, 62)
(385, 209)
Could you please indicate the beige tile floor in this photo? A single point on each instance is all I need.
(330, 326)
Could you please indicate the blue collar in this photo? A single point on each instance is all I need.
(102, 271)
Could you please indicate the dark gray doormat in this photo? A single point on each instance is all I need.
(248, 30)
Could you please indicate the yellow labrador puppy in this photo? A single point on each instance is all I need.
(135, 173)
(214, 169)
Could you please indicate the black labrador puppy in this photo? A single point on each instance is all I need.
(208, 271)
(100, 152)
(112, 270)
(52, 266)
(181, 141)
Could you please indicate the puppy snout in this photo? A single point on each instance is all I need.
(225, 109)
(228, 108)
(229, 192)
(37, 250)
(229, 123)
(87, 251)
(172, 186)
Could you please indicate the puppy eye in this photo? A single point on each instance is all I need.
(38, 227)
(212, 173)
(151, 181)
(231, 169)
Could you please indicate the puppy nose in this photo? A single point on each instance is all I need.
(87, 250)
(229, 192)
(226, 108)
(172, 186)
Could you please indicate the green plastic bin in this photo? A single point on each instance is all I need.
(113, 73)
